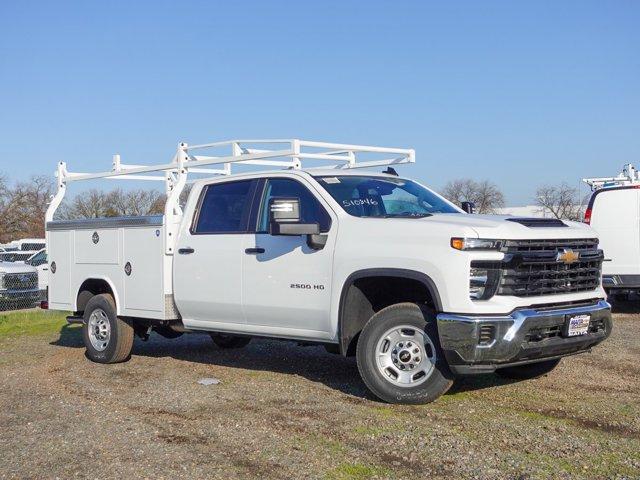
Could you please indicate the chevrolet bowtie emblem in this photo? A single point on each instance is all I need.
(567, 256)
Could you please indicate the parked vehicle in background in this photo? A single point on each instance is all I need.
(369, 264)
(22, 250)
(40, 261)
(614, 212)
(30, 251)
(26, 245)
(18, 286)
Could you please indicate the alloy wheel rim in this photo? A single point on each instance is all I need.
(99, 329)
(405, 356)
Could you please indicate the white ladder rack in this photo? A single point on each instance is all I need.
(199, 159)
(628, 176)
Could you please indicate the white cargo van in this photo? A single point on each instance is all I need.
(614, 212)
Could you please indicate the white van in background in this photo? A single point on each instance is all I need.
(614, 212)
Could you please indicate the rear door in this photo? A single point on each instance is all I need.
(207, 266)
(286, 284)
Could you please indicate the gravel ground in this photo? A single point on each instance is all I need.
(286, 411)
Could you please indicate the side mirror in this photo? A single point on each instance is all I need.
(468, 207)
(284, 218)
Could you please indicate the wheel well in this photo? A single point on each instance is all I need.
(365, 295)
(89, 289)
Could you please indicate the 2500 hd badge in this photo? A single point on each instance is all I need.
(307, 286)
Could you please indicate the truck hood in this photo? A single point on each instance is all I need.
(507, 227)
(11, 267)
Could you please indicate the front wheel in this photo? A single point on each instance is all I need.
(528, 370)
(399, 356)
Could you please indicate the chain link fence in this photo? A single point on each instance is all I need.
(23, 275)
(19, 289)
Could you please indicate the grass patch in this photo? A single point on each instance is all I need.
(451, 397)
(367, 430)
(356, 471)
(32, 322)
(535, 416)
(384, 412)
(315, 442)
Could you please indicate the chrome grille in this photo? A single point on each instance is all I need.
(20, 281)
(520, 246)
(531, 267)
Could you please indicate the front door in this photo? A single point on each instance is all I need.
(287, 284)
(209, 255)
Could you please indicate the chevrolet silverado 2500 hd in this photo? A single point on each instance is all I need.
(369, 264)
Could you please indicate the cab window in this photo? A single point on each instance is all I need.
(225, 208)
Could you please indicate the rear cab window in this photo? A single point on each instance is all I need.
(225, 208)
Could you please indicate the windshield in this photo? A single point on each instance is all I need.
(383, 197)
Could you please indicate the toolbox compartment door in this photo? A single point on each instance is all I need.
(142, 268)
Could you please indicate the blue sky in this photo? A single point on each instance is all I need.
(522, 93)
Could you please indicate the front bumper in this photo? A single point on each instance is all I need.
(481, 344)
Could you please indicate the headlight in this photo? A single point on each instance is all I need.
(483, 283)
(475, 244)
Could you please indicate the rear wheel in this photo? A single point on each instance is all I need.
(528, 370)
(399, 356)
(107, 338)
(222, 340)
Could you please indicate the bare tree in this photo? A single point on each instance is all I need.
(562, 201)
(135, 202)
(24, 204)
(22, 208)
(486, 195)
(98, 204)
(88, 204)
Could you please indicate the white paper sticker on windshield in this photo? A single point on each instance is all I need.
(331, 180)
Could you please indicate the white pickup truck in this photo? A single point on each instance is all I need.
(368, 264)
(18, 286)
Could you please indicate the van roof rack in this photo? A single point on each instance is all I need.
(199, 159)
(628, 176)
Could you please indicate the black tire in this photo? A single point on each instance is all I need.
(222, 340)
(382, 385)
(528, 370)
(117, 348)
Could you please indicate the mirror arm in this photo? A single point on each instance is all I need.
(317, 241)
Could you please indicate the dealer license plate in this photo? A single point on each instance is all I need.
(578, 325)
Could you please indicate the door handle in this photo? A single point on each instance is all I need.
(186, 251)
(254, 251)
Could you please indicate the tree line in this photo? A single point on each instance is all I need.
(557, 201)
(23, 204)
